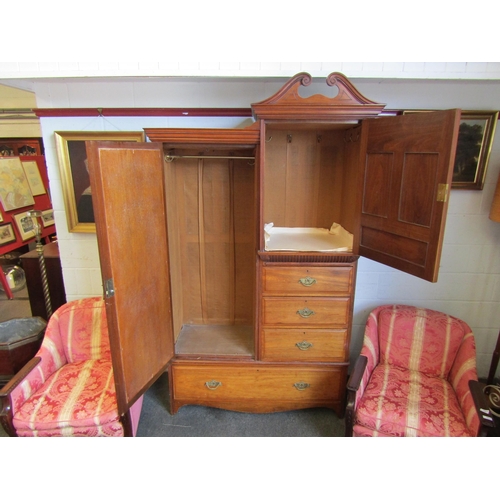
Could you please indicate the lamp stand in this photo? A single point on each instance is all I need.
(34, 214)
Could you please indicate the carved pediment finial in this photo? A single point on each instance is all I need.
(287, 103)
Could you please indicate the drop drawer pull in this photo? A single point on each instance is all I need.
(213, 384)
(301, 386)
(304, 345)
(307, 281)
(306, 312)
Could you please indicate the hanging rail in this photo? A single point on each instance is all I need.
(170, 158)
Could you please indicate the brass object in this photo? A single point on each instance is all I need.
(213, 384)
(306, 312)
(304, 345)
(301, 386)
(307, 281)
(442, 194)
(34, 214)
(493, 394)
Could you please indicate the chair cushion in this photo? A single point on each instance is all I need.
(400, 402)
(77, 400)
(419, 339)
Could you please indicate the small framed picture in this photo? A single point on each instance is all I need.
(34, 178)
(15, 191)
(7, 234)
(25, 225)
(48, 218)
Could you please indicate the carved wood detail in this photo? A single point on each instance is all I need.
(348, 104)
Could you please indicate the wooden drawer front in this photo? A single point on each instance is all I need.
(207, 383)
(305, 345)
(288, 280)
(306, 312)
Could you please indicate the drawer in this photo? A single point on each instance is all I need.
(302, 280)
(306, 312)
(328, 346)
(256, 383)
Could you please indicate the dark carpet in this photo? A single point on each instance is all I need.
(198, 421)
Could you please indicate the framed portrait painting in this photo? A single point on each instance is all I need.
(75, 179)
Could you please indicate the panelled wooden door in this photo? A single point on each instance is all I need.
(408, 167)
(127, 181)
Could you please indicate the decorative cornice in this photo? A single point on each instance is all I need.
(69, 112)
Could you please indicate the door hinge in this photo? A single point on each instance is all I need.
(109, 288)
(442, 193)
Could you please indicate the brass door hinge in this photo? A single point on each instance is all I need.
(442, 194)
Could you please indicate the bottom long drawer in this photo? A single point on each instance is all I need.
(258, 388)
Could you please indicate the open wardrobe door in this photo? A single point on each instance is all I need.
(408, 168)
(129, 207)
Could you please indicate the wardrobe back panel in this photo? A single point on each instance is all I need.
(303, 177)
(212, 239)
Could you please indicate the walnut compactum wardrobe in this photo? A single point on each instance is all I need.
(229, 256)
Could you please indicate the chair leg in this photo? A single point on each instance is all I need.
(494, 361)
(349, 413)
(6, 415)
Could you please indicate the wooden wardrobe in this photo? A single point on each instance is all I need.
(193, 283)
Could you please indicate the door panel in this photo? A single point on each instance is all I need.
(407, 159)
(128, 196)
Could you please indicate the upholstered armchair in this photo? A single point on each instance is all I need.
(68, 389)
(414, 377)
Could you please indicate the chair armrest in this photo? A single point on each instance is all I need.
(482, 408)
(353, 385)
(6, 415)
(357, 374)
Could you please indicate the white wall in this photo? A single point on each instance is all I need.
(469, 281)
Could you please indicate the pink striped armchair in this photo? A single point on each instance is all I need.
(68, 389)
(414, 377)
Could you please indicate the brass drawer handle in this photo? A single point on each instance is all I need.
(307, 281)
(213, 384)
(301, 386)
(306, 312)
(304, 345)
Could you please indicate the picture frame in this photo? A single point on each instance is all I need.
(75, 180)
(7, 234)
(25, 225)
(34, 178)
(475, 139)
(15, 191)
(48, 217)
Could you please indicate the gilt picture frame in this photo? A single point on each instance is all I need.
(475, 138)
(75, 179)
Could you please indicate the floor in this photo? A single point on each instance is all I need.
(19, 307)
